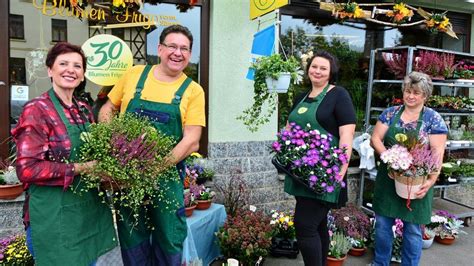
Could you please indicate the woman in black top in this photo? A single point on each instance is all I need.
(327, 108)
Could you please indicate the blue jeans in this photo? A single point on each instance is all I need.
(411, 245)
(29, 244)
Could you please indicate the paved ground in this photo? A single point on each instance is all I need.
(458, 254)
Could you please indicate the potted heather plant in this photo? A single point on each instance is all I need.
(246, 236)
(354, 224)
(396, 63)
(129, 152)
(437, 65)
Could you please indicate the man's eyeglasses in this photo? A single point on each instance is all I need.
(172, 48)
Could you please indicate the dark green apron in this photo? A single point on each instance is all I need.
(303, 114)
(170, 228)
(68, 228)
(386, 201)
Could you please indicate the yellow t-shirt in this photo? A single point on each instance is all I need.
(191, 106)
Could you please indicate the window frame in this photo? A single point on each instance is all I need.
(12, 18)
(58, 29)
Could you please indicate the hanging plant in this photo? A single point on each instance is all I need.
(268, 66)
(400, 13)
(349, 10)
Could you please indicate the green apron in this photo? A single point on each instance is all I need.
(303, 114)
(170, 228)
(386, 201)
(68, 228)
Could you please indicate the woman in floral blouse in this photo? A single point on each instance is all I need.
(430, 128)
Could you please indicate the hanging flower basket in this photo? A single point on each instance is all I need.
(279, 85)
(405, 186)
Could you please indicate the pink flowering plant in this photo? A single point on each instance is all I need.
(445, 224)
(131, 159)
(410, 157)
(309, 157)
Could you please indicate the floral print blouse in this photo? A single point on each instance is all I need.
(432, 122)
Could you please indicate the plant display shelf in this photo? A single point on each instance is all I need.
(373, 111)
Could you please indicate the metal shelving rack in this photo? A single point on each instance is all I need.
(461, 210)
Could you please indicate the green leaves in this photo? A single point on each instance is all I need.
(265, 102)
(130, 155)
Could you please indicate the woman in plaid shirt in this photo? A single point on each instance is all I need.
(63, 227)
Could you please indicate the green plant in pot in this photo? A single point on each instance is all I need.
(265, 100)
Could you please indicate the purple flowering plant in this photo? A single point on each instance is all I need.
(13, 251)
(131, 159)
(308, 155)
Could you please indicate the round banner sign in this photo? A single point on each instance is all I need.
(108, 57)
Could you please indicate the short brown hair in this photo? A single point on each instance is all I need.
(64, 48)
(177, 29)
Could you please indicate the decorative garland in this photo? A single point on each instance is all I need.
(400, 15)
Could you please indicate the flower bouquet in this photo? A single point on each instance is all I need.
(308, 157)
(13, 251)
(284, 234)
(131, 159)
(400, 13)
(409, 163)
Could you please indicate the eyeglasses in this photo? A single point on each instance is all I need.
(172, 48)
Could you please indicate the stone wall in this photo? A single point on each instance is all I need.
(11, 216)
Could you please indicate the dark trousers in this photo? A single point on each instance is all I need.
(312, 231)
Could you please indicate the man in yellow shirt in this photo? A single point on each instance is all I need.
(175, 105)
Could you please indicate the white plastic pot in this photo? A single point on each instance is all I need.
(279, 85)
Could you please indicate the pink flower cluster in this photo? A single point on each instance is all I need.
(397, 157)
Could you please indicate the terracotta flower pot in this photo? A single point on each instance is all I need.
(203, 204)
(9, 192)
(448, 240)
(357, 252)
(189, 210)
(331, 261)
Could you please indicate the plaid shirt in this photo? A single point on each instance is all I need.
(43, 144)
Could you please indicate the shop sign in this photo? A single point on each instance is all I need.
(19, 93)
(108, 58)
(259, 7)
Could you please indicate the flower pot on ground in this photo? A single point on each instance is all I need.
(284, 235)
(338, 248)
(357, 252)
(447, 240)
(189, 203)
(331, 261)
(427, 243)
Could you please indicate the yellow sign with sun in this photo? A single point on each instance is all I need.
(262, 7)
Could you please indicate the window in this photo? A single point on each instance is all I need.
(17, 71)
(58, 30)
(17, 29)
(119, 32)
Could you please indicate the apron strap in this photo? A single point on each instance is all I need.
(141, 81)
(319, 97)
(179, 93)
(58, 107)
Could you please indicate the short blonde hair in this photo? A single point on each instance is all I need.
(418, 80)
